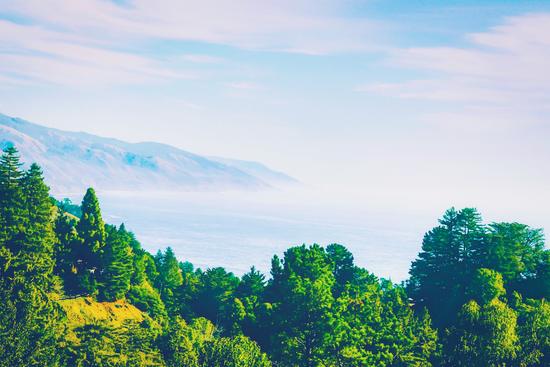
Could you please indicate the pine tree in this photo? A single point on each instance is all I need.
(91, 230)
(13, 220)
(303, 316)
(116, 265)
(66, 250)
(169, 277)
(30, 320)
(39, 233)
(451, 253)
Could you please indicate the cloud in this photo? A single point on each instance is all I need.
(502, 68)
(50, 56)
(309, 26)
(101, 41)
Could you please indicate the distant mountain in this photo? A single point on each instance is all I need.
(73, 161)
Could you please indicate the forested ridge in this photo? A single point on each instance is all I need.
(76, 291)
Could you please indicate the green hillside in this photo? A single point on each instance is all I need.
(78, 292)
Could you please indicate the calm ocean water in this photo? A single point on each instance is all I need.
(237, 231)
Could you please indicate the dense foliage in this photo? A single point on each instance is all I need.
(476, 296)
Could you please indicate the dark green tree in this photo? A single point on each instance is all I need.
(91, 230)
(451, 253)
(486, 330)
(13, 213)
(517, 252)
(169, 278)
(303, 316)
(215, 297)
(30, 319)
(343, 267)
(117, 261)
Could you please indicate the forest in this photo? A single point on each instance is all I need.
(78, 292)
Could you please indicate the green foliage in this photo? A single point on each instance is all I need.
(67, 206)
(196, 345)
(450, 255)
(66, 249)
(376, 327)
(238, 351)
(517, 252)
(303, 315)
(30, 319)
(183, 344)
(484, 336)
(131, 345)
(91, 231)
(169, 278)
(534, 333)
(484, 285)
(117, 265)
(215, 298)
(147, 299)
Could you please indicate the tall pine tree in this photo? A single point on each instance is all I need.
(91, 230)
(117, 265)
(30, 319)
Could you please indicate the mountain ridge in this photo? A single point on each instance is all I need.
(74, 160)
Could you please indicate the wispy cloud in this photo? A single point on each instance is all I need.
(503, 67)
(100, 41)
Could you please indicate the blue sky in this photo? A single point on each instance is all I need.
(415, 103)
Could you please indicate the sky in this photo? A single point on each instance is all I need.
(405, 104)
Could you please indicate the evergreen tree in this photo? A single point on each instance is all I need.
(13, 218)
(116, 265)
(344, 270)
(303, 316)
(450, 255)
(91, 230)
(66, 252)
(39, 233)
(30, 319)
(215, 298)
(169, 278)
(517, 252)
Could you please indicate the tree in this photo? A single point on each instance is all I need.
(517, 252)
(183, 344)
(303, 315)
(169, 278)
(533, 332)
(451, 253)
(375, 326)
(344, 269)
(13, 218)
(30, 319)
(91, 230)
(238, 351)
(116, 265)
(486, 286)
(250, 292)
(215, 298)
(486, 329)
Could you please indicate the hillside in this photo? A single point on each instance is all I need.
(73, 161)
(85, 310)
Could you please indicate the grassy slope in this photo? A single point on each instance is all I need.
(85, 310)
